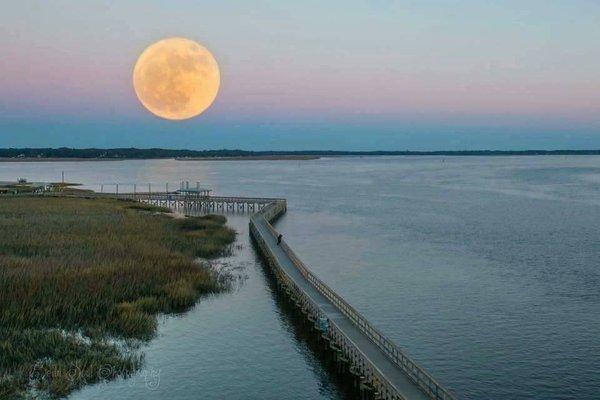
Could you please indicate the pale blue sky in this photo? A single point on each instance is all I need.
(310, 75)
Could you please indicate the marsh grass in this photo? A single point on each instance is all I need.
(17, 188)
(147, 207)
(76, 273)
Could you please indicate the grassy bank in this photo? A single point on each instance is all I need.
(76, 274)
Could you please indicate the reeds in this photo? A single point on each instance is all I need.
(76, 272)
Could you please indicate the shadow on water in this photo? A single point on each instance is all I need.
(332, 384)
(319, 360)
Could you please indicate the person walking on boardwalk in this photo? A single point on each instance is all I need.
(279, 239)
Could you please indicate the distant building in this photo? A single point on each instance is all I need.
(197, 191)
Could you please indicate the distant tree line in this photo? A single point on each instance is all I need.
(131, 152)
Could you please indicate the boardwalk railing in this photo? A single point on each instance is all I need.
(154, 196)
(413, 370)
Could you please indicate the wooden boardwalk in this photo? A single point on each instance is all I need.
(381, 368)
(379, 363)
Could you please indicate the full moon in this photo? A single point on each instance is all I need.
(176, 78)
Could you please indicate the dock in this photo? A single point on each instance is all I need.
(383, 370)
(379, 369)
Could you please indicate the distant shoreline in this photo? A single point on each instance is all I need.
(240, 158)
(120, 154)
(57, 159)
(301, 157)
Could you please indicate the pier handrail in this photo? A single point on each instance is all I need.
(178, 196)
(413, 370)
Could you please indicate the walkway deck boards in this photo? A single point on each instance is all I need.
(405, 386)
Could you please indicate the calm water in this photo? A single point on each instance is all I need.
(484, 269)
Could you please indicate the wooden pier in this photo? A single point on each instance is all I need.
(188, 202)
(378, 368)
(203, 203)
